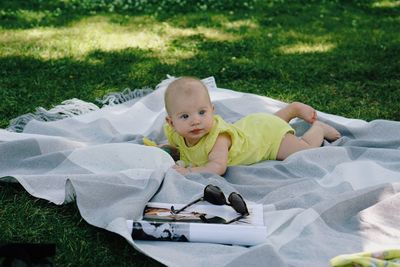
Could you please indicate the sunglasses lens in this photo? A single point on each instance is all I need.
(238, 203)
(214, 195)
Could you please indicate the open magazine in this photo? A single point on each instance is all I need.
(200, 223)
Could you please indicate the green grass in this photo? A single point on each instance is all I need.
(342, 57)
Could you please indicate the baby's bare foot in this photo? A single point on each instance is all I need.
(304, 112)
(330, 133)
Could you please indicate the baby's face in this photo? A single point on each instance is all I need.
(191, 114)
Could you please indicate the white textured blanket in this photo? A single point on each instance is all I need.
(320, 203)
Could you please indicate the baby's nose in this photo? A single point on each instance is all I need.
(195, 120)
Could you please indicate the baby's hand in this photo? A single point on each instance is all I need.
(181, 170)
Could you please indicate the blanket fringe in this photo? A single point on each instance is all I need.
(116, 98)
(66, 109)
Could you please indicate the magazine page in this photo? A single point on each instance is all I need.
(200, 223)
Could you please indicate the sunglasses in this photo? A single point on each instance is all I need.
(214, 195)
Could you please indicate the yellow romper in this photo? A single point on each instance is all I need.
(254, 138)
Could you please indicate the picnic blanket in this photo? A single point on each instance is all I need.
(341, 198)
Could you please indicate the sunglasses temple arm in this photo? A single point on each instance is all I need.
(190, 204)
(236, 219)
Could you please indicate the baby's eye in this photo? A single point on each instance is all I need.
(202, 112)
(184, 116)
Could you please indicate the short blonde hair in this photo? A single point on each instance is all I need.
(181, 85)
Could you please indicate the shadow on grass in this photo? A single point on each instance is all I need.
(30, 81)
(57, 13)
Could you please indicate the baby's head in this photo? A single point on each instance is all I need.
(184, 88)
(189, 108)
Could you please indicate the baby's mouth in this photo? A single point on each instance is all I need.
(195, 131)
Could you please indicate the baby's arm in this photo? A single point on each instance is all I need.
(217, 158)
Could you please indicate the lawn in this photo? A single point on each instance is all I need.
(341, 57)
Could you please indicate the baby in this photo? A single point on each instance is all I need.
(209, 144)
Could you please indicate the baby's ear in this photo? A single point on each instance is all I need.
(213, 108)
(169, 121)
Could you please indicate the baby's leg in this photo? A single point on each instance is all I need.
(297, 110)
(311, 139)
(328, 132)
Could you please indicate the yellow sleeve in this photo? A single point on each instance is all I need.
(170, 134)
(148, 142)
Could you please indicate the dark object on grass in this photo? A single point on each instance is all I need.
(27, 254)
